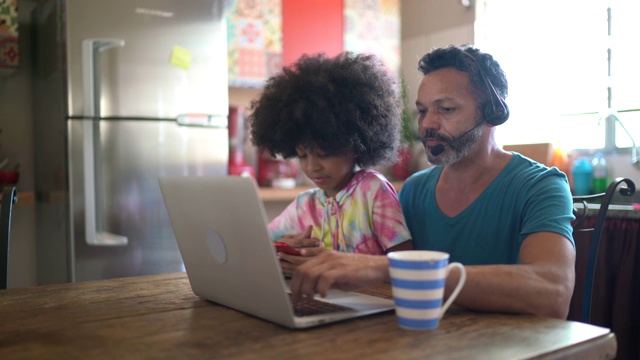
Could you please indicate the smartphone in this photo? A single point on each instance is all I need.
(286, 248)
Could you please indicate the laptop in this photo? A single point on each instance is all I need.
(221, 230)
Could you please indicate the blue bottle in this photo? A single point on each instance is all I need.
(582, 172)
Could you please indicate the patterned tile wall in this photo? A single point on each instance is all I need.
(9, 55)
(373, 26)
(254, 38)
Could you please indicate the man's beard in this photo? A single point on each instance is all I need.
(456, 147)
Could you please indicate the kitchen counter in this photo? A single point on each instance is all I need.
(276, 194)
(622, 211)
(627, 211)
(25, 198)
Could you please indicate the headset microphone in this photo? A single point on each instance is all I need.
(439, 148)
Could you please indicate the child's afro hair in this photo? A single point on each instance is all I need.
(346, 104)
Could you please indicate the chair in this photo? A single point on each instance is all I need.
(9, 197)
(581, 213)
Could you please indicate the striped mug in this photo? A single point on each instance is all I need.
(417, 280)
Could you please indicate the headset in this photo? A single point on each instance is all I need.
(495, 112)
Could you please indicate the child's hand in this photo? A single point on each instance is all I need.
(301, 240)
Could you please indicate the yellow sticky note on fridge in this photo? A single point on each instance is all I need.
(180, 57)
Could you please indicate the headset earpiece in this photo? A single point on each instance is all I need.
(495, 115)
(495, 111)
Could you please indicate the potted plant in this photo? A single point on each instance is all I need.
(402, 169)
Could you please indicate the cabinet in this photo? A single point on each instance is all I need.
(25, 198)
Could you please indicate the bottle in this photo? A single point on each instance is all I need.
(600, 181)
(560, 160)
(582, 174)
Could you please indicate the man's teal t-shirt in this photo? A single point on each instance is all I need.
(526, 197)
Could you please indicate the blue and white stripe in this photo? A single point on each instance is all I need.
(418, 287)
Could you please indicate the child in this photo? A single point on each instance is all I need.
(335, 115)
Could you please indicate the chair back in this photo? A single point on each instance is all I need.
(581, 210)
(9, 197)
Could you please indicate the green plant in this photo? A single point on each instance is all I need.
(403, 167)
(408, 127)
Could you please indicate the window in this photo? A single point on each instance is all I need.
(567, 63)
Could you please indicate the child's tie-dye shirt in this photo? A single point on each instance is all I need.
(365, 217)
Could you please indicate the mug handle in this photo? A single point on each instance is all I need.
(456, 291)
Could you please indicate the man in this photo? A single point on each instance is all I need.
(506, 217)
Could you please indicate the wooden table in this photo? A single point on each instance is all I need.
(159, 317)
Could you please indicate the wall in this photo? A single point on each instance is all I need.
(429, 24)
(618, 165)
(243, 96)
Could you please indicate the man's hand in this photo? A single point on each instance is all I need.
(322, 270)
(289, 263)
(301, 240)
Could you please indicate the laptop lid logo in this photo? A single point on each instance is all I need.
(216, 246)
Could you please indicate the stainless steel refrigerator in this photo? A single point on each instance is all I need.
(125, 91)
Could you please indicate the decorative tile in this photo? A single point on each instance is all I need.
(274, 63)
(9, 17)
(250, 33)
(254, 38)
(250, 8)
(252, 63)
(254, 34)
(9, 54)
(373, 26)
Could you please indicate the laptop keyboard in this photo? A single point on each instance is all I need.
(309, 306)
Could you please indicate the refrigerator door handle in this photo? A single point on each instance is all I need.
(90, 48)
